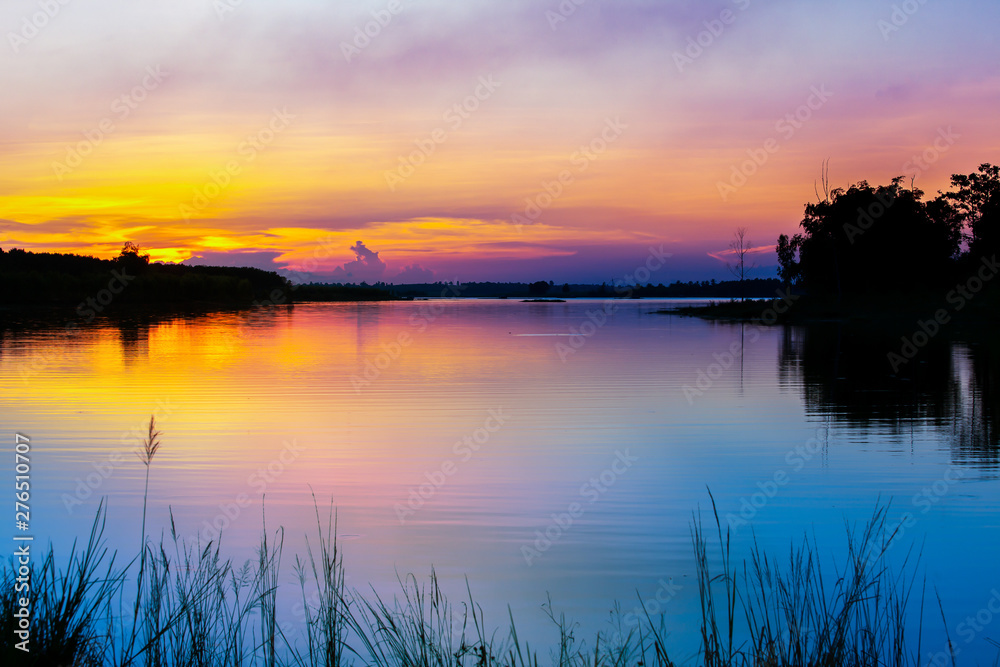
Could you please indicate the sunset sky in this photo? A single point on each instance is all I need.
(515, 140)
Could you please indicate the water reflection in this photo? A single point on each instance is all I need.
(133, 334)
(844, 371)
(366, 317)
(973, 403)
(378, 396)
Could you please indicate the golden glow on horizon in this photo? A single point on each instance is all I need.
(309, 195)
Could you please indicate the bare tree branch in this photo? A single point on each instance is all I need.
(741, 268)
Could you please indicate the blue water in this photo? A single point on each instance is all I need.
(453, 434)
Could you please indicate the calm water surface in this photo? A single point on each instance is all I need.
(454, 434)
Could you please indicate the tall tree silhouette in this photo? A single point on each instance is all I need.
(132, 259)
(876, 238)
(740, 267)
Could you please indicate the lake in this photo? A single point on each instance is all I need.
(539, 449)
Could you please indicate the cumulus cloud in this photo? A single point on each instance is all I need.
(366, 267)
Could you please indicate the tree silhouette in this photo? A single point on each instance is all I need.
(866, 238)
(539, 288)
(131, 259)
(787, 251)
(740, 268)
(63, 279)
(977, 202)
(887, 237)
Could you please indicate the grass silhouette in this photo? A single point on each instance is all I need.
(193, 607)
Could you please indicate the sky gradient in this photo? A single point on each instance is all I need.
(474, 140)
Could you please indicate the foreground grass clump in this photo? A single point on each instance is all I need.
(794, 616)
(192, 608)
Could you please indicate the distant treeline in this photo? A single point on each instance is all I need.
(757, 287)
(94, 285)
(867, 239)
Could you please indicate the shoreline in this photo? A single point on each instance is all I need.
(887, 309)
